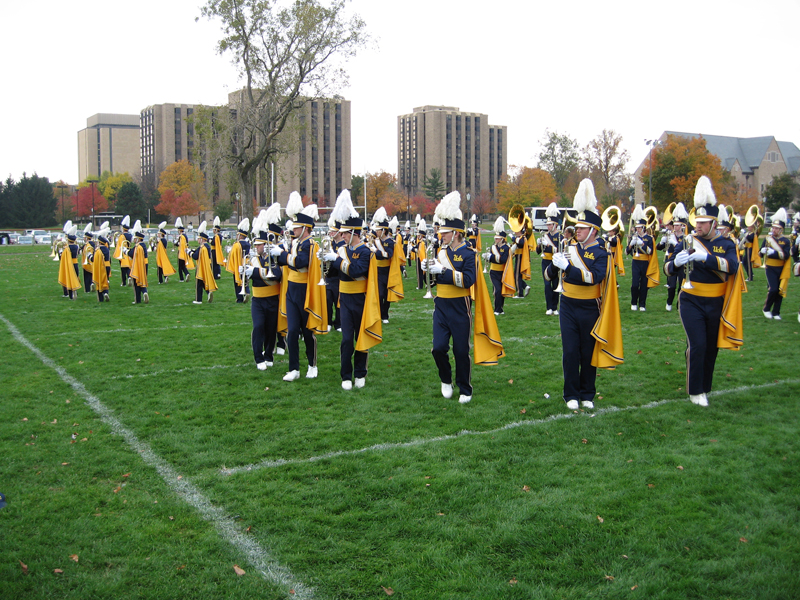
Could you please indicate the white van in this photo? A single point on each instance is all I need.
(539, 217)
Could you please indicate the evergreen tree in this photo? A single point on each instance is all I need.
(433, 187)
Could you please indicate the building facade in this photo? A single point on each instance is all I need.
(167, 136)
(470, 154)
(110, 143)
(753, 162)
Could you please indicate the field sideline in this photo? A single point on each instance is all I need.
(147, 457)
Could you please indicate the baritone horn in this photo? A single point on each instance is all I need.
(754, 218)
(611, 218)
(520, 222)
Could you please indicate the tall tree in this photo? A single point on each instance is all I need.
(433, 187)
(781, 192)
(559, 156)
(130, 201)
(357, 188)
(177, 206)
(483, 204)
(606, 162)
(420, 205)
(285, 55)
(677, 164)
(378, 184)
(528, 187)
(88, 201)
(28, 202)
(110, 184)
(184, 178)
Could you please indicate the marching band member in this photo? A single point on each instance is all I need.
(500, 273)
(332, 277)
(545, 247)
(87, 251)
(184, 259)
(68, 266)
(640, 247)
(101, 266)
(358, 295)
(394, 287)
(383, 249)
(667, 243)
(456, 270)
(710, 301)
(750, 258)
(796, 249)
(237, 257)
(474, 234)
(217, 252)
(164, 267)
(124, 240)
(138, 271)
(204, 274)
(591, 333)
(680, 219)
(776, 251)
(266, 279)
(406, 242)
(418, 251)
(306, 312)
(614, 247)
(522, 263)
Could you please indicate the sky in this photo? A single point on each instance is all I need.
(573, 67)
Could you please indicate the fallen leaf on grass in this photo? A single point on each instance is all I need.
(584, 441)
(24, 567)
(651, 485)
(54, 421)
(610, 577)
(510, 382)
(743, 540)
(638, 352)
(599, 518)
(57, 571)
(238, 571)
(512, 581)
(74, 557)
(525, 488)
(523, 411)
(389, 591)
(64, 464)
(625, 556)
(634, 587)
(126, 475)
(680, 467)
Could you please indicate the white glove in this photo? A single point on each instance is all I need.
(248, 272)
(763, 250)
(436, 268)
(638, 242)
(330, 256)
(275, 251)
(512, 249)
(771, 252)
(486, 255)
(681, 258)
(698, 256)
(560, 260)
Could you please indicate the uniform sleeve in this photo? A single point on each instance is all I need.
(596, 274)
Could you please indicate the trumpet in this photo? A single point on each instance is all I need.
(326, 246)
(430, 240)
(688, 242)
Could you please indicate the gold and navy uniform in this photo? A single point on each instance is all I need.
(264, 309)
(201, 253)
(87, 252)
(298, 258)
(139, 290)
(639, 266)
(332, 291)
(701, 306)
(124, 262)
(668, 243)
(452, 316)
(473, 235)
(750, 243)
(580, 310)
(74, 250)
(102, 254)
(499, 255)
(546, 252)
(675, 276)
(522, 285)
(182, 243)
(353, 267)
(217, 254)
(384, 251)
(775, 260)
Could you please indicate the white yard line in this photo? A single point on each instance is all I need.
(280, 462)
(258, 557)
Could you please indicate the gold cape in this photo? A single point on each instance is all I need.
(607, 330)
(66, 273)
(99, 275)
(183, 253)
(653, 275)
(204, 270)
(119, 254)
(370, 332)
(617, 254)
(395, 291)
(316, 304)
(216, 248)
(235, 260)
(731, 332)
(283, 323)
(487, 346)
(162, 260)
(139, 266)
(525, 257)
(509, 281)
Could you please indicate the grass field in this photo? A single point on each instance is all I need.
(144, 456)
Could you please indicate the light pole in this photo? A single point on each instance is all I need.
(652, 144)
(92, 182)
(62, 187)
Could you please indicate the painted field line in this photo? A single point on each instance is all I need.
(226, 527)
(271, 464)
(183, 370)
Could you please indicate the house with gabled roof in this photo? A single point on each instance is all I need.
(753, 162)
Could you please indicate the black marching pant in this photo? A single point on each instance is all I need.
(639, 283)
(183, 272)
(297, 321)
(264, 312)
(577, 318)
(351, 307)
(497, 284)
(550, 295)
(774, 298)
(332, 298)
(452, 317)
(700, 318)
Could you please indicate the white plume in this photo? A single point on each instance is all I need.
(137, 226)
(704, 193)
(393, 224)
(723, 213)
(202, 228)
(73, 230)
(178, 223)
(104, 226)
(273, 214)
(552, 210)
(126, 221)
(244, 225)
(417, 219)
(680, 212)
(162, 224)
(449, 207)
(312, 210)
(499, 225)
(380, 215)
(294, 205)
(87, 229)
(421, 227)
(216, 221)
(289, 224)
(780, 215)
(344, 207)
(67, 226)
(474, 218)
(331, 222)
(585, 200)
(638, 214)
(408, 223)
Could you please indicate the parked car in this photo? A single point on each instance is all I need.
(26, 240)
(539, 218)
(44, 239)
(36, 234)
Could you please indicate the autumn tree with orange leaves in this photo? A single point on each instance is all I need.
(182, 189)
(529, 187)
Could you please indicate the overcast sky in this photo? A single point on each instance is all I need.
(716, 67)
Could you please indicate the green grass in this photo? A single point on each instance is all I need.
(665, 500)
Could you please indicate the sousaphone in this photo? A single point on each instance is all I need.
(519, 221)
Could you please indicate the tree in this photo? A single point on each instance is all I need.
(187, 184)
(378, 184)
(130, 201)
(88, 201)
(177, 206)
(223, 210)
(433, 187)
(559, 157)
(285, 55)
(28, 202)
(606, 164)
(483, 204)
(394, 201)
(110, 184)
(356, 188)
(781, 192)
(420, 205)
(528, 187)
(677, 164)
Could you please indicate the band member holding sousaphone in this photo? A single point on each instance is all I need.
(680, 220)
(612, 225)
(591, 334)
(204, 275)
(500, 271)
(522, 226)
(710, 298)
(642, 250)
(750, 257)
(546, 246)
(457, 272)
(776, 250)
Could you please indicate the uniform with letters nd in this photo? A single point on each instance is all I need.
(776, 251)
(591, 332)
(710, 302)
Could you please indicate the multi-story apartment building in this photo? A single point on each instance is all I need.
(753, 162)
(470, 154)
(167, 136)
(109, 143)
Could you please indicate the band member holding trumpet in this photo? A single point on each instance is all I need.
(591, 334)
(640, 247)
(204, 275)
(545, 247)
(499, 267)
(138, 272)
(237, 257)
(358, 295)
(265, 277)
(184, 260)
(124, 240)
(680, 220)
(710, 301)
(748, 245)
(776, 251)
(306, 313)
(68, 265)
(667, 243)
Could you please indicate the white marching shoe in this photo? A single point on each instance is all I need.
(767, 314)
(572, 404)
(347, 385)
(312, 373)
(146, 298)
(280, 351)
(462, 399)
(361, 382)
(447, 390)
(699, 399)
(262, 366)
(641, 309)
(669, 307)
(292, 376)
(555, 313)
(549, 312)
(587, 404)
(776, 318)
(634, 307)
